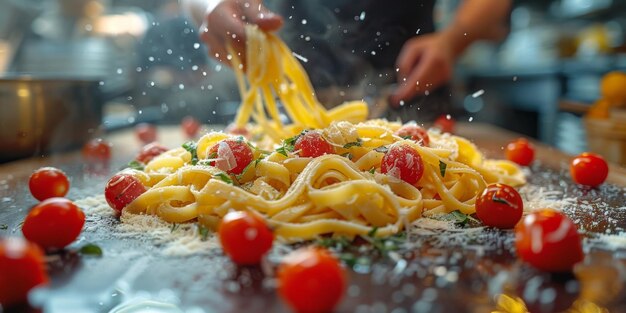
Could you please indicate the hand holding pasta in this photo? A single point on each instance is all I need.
(350, 186)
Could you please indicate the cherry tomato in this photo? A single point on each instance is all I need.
(150, 151)
(48, 182)
(311, 280)
(311, 145)
(445, 123)
(21, 269)
(549, 241)
(190, 126)
(415, 133)
(53, 223)
(499, 206)
(245, 237)
(233, 155)
(146, 133)
(121, 190)
(589, 169)
(403, 162)
(97, 150)
(520, 151)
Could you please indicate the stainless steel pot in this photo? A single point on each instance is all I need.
(45, 115)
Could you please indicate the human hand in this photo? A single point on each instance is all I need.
(224, 24)
(424, 63)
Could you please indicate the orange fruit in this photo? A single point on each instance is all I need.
(613, 88)
(599, 110)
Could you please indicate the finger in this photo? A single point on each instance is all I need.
(408, 58)
(415, 82)
(257, 13)
(224, 23)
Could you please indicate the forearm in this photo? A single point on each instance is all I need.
(478, 20)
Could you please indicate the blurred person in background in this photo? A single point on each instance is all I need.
(355, 47)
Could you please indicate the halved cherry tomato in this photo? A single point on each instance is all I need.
(403, 162)
(311, 145)
(54, 223)
(520, 151)
(121, 190)
(415, 133)
(48, 182)
(21, 269)
(311, 280)
(190, 126)
(589, 169)
(445, 123)
(499, 206)
(150, 151)
(146, 133)
(245, 237)
(549, 241)
(233, 155)
(97, 149)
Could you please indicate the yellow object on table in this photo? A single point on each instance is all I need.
(613, 88)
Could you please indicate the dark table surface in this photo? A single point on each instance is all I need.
(464, 275)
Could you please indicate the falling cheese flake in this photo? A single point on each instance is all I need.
(478, 93)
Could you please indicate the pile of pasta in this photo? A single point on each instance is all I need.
(341, 193)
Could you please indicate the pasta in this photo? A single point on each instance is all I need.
(341, 193)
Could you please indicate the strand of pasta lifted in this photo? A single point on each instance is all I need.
(327, 172)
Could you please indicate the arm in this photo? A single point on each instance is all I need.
(426, 62)
(223, 21)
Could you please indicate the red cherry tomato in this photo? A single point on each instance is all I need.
(549, 241)
(48, 182)
(445, 123)
(54, 223)
(190, 126)
(121, 190)
(150, 151)
(311, 145)
(245, 237)
(97, 150)
(146, 133)
(415, 133)
(499, 206)
(589, 169)
(520, 151)
(403, 162)
(311, 280)
(233, 155)
(21, 269)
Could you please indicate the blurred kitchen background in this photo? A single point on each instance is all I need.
(150, 65)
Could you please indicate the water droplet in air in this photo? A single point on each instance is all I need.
(194, 68)
(138, 69)
(373, 52)
(303, 21)
(181, 86)
(471, 118)
(196, 45)
(151, 59)
(401, 103)
(169, 51)
(362, 16)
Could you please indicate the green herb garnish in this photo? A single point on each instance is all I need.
(135, 165)
(192, 147)
(442, 168)
(91, 250)
(500, 200)
(203, 232)
(357, 143)
(225, 178)
(372, 170)
(406, 137)
(282, 150)
(347, 155)
(459, 218)
(4, 227)
(174, 227)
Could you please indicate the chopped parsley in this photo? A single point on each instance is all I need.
(4, 227)
(289, 145)
(442, 168)
(174, 227)
(372, 170)
(282, 150)
(135, 165)
(91, 250)
(459, 218)
(500, 200)
(192, 147)
(357, 143)
(406, 137)
(347, 155)
(203, 232)
(225, 178)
